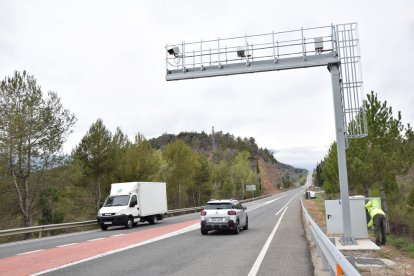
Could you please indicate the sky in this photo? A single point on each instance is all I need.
(106, 59)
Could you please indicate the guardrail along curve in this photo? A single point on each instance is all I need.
(332, 258)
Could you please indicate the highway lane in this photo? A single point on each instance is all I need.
(219, 253)
(11, 249)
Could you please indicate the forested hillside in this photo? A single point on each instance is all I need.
(271, 174)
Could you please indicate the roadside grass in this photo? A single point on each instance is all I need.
(316, 209)
(402, 243)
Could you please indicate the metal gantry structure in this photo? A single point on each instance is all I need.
(334, 46)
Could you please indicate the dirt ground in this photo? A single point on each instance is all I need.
(404, 264)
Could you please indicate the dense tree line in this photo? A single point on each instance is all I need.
(191, 177)
(374, 163)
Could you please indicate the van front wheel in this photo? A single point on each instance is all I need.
(129, 224)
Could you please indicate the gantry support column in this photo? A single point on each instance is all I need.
(347, 238)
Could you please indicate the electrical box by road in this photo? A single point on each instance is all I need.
(333, 213)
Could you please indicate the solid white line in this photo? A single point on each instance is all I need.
(63, 245)
(96, 239)
(286, 205)
(178, 232)
(24, 253)
(262, 254)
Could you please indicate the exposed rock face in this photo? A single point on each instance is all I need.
(271, 177)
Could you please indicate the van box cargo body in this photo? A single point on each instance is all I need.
(133, 202)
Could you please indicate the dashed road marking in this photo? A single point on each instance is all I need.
(24, 253)
(285, 205)
(168, 235)
(97, 239)
(68, 244)
(264, 204)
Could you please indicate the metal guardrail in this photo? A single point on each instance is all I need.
(174, 212)
(50, 227)
(332, 258)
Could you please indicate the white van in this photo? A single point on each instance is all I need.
(133, 202)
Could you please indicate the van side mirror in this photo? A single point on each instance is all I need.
(133, 203)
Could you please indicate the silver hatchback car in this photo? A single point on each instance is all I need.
(225, 214)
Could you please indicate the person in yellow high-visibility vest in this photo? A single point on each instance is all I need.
(378, 220)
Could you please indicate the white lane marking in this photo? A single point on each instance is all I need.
(63, 245)
(172, 234)
(270, 201)
(118, 235)
(264, 204)
(96, 239)
(285, 205)
(280, 210)
(24, 253)
(262, 253)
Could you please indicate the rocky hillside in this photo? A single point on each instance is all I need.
(271, 177)
(274, 175)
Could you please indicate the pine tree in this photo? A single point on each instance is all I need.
(32, 132)
(95, 154)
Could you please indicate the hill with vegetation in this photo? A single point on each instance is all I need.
(272, 175)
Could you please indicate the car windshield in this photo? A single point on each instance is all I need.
(212, 206)
(121, 200)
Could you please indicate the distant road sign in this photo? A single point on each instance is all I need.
(250, 188)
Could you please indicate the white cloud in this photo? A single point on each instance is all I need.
(106, 60)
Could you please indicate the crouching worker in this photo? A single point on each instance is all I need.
(378, 219)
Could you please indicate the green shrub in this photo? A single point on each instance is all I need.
(402, 243)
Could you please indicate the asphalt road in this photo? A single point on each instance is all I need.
(275, 244)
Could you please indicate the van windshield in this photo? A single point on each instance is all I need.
(121, 200)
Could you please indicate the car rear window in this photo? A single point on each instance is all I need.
(216, 206)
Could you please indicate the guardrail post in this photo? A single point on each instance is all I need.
(40, 234)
